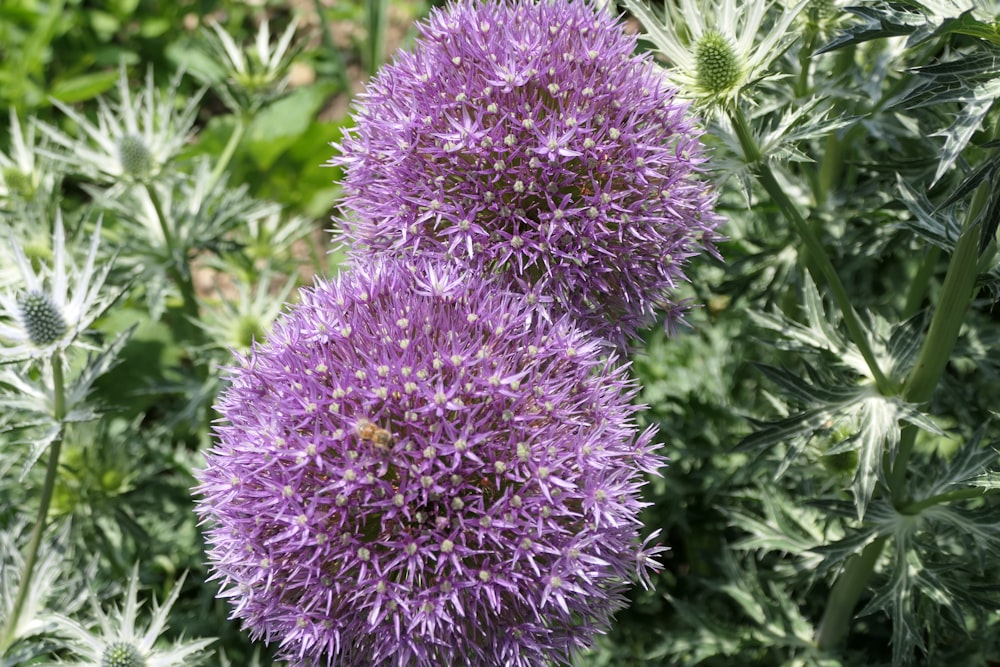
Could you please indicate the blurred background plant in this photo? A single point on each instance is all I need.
(829, 414)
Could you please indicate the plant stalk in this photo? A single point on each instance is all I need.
(845, 594)
(7, 636)
(942, 498)
(177, 266)
(228, 151)
(918, 286)
(949, 315)
(820, 262)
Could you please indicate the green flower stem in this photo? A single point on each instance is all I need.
(918, 286)
(376, 20)
(956, 295)
(48, 487)
(330, 46)
(228, 151)
(820, 261)
(845, 594)
(942, 498)
(181, 278)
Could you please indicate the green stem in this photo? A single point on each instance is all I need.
(898, 466)
(330, 46)
(819, 261)
(918, 286)
(48, 487)
(956, 295)
(941, 498)
(227, 152)
(845, 594)
(177, 266)
(377, 19)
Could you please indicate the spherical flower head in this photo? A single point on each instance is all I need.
(525, 139)
(135, 157)
(43, 323)
(413, 471)
(122, 654)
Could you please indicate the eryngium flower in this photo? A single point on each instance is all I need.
(412, 472)
(525, 139)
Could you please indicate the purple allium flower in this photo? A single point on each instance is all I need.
(412, 472)
(524, 138)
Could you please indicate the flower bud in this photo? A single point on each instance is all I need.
(135, 157)
(717, 66)
(42, 320)
(122, 654)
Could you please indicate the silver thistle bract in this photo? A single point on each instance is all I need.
(524, 138)
(410, 471)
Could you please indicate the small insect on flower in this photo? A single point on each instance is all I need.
(381, 438)
(365, 429)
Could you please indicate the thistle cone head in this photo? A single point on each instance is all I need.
(135, 157)
(718, 69)
(122, 654)
(41, 317)
(18, 182)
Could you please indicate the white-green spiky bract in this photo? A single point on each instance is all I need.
(134, 137)
(45, 309)
(716, 48)
(116, 638)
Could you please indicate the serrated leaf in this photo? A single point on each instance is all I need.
(897, 600)
(878, 432)
(987, 480)
(878, 21)
(982, 525)
(39, 445)
(785, 527)
(990, 218)
(819, 333)
(835, 554)
(962, 470)
(939, 226)
(967, 24)
(808, 392)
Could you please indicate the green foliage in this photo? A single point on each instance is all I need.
(829, 415)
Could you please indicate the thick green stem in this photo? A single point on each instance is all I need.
(918, 286)
(956, 295)
(845, 594)
(819, 261)
(7, 636)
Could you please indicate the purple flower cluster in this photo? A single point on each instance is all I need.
(524, 138)
(416, 470)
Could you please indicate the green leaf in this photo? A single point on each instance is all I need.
(967, 24)
(940, 226)
(988, 480)
(278, 126)
(878, 21)
(972, 82)
(84, 86)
